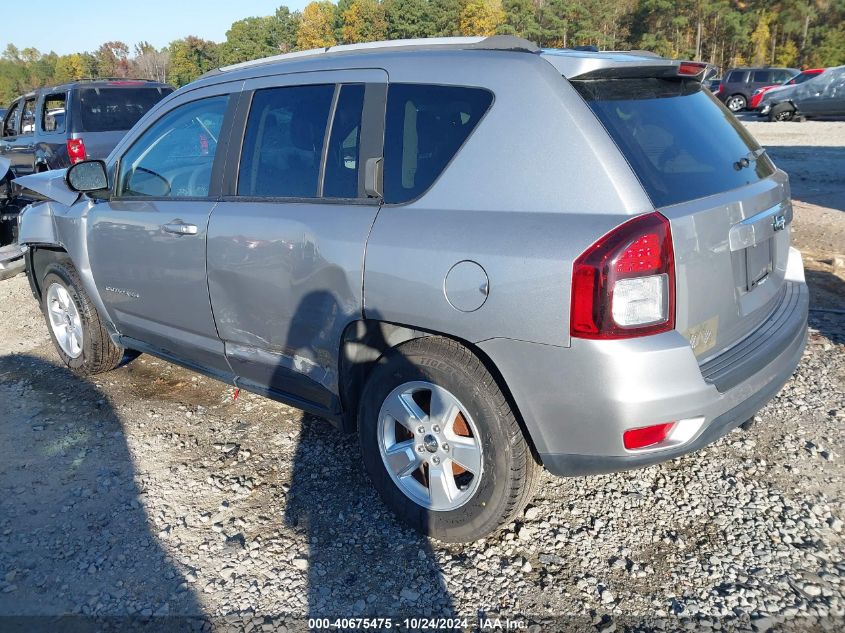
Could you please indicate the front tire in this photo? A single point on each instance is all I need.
(81, 340)
(441, 444)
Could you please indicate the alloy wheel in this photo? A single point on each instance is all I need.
(430, 446)
(65, 321)
(736, 103)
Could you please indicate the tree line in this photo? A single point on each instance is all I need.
(799, 33)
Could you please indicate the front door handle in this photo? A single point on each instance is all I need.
(180, 228)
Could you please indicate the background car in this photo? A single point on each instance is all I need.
(739, 84)
(823, 95)
(57, 126)
(800, 78)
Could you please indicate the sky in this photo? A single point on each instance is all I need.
(82, 25)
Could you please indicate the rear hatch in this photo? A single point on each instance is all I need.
(104, 113)
(727, 204)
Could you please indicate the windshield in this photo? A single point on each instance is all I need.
(679, 140)
(107, 109)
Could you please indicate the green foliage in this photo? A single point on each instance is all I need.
(190, 58)
(407, 19)
(316, 28)
(364, 21)
(482, 17)
(799, 33)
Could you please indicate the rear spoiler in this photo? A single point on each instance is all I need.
(582, 65)
(673, 70)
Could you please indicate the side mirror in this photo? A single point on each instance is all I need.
(87, 176)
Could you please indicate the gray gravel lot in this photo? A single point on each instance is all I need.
(149, 491)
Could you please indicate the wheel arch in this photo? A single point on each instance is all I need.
(364, 342)
(38, 258)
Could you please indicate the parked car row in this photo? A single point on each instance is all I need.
(54, 127)
(783, 94)
(820, 95)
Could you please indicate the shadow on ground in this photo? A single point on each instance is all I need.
(83, 550)
(815, 173)
(827, 304)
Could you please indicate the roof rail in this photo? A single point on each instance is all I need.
(492, 43)
(111, 79)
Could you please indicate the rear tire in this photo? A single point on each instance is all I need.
(498, 480)
(81, 340)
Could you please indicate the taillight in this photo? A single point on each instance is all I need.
(624, 285)
(691, 69)
(76, 150)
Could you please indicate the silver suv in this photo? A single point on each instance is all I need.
(483, 257)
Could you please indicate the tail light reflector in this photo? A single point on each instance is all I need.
(76, 150)
(624, 285)
(646, 436)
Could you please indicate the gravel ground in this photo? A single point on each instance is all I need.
(149, 491)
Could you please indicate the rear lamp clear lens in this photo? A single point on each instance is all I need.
(640, 300)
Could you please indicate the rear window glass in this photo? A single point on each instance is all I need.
(425, 127)
(680, 142)
(107, 109)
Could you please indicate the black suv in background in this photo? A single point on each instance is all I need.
(57, 126)
(739, 84)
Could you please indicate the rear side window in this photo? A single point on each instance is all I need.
(108, 109)
(737, 76)
(762, 76)
(283, 144)
(53, 113)
(678, 139)
(425, 127)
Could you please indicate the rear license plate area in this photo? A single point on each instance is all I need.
(758, 263)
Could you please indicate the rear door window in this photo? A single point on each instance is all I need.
(115, 108)
(425, 126)
(53, 113)
(678, 139)
(762, 77)
(283, 144)
(342, 160)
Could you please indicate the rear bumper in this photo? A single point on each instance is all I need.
(577, 402)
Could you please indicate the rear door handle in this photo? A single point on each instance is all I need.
(178, 227)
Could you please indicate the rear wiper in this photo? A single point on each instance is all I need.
(746, 160)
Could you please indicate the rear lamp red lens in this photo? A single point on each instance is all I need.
(646, 436)
(691, 68)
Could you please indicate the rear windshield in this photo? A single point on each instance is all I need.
(107, 109)
(679, 140)
(801, 78)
